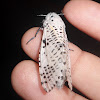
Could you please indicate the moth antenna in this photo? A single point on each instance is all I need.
(41, 15)
(61, 13)
(30, 40)
(71, 49)
(35, 35)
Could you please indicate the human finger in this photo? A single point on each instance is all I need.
(26, 82)
(84, 15)
(84, 62)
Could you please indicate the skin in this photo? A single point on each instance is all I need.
(84, 15)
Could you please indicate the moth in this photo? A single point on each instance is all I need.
(54, 57)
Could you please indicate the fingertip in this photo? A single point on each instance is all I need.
(32, 48)
(25, 79)
(84, 15)
(26, 82)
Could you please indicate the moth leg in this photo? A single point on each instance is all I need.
(71, 49)
(40, 28)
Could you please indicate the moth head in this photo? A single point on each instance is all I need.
(53, 19)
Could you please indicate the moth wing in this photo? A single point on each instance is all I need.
(44, 67)
(68, 72)
(58, 56)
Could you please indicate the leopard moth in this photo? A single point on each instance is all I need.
(54, 58)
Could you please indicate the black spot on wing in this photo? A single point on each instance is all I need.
(44, 41)
(64, 63)
(44, 77)
(61, 70)
(41, 83)
(45, 81)
(56, 82)
(58, 77)
(62, 77)
(47, 43)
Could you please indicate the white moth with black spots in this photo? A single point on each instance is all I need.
(54, 58)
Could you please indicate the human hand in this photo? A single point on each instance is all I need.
(85, 66)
